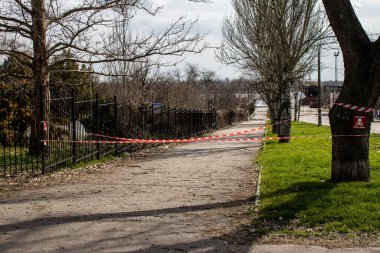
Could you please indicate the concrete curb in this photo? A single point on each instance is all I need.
(309, 249)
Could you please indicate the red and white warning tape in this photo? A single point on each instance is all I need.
(355, 108)
(141, 141)
(189, 140)
(212, 137)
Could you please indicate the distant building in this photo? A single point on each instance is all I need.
(330, 91)
(311, 96)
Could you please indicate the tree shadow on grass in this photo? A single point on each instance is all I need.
(303, 204)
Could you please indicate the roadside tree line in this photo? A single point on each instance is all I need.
(275, 43)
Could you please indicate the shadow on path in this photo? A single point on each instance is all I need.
(111, 230)
(40, 222)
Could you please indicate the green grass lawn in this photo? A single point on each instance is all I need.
(297, 196)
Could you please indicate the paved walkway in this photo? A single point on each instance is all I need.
(192, 198)
(186, 199)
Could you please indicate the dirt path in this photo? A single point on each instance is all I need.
(190, 198)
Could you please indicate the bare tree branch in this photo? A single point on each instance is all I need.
(56, 28)
(346, 25)
(23, 6)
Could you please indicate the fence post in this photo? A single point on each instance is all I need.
(214, 119)
(143, 109)
(187, 122)
(200, 119)
(168, 127)
(175, 123)
(42, 129)
(97, 126)
(197, 122)
(184, 123)
(115, 122)
(191, 122)
(200, 116)
(131, 130)
(162, 123)
(207, 119)
(181, 122)
(152, 126)
(74, 127)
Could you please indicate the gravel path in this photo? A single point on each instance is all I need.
(191, 198)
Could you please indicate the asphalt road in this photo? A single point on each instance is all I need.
(310, 115)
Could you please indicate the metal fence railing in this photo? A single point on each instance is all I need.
(16, 131)
(15, 157)
(74, 131)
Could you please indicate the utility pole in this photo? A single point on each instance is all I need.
(319, 88)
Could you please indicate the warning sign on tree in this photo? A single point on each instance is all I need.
(359, 122)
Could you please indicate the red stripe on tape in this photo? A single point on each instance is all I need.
(355, 107)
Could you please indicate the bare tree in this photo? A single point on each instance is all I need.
(361, 87)
(35, 31)
(274, 42)
(193, 87)
(247, 46)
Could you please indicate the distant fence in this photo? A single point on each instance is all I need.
(74, 131)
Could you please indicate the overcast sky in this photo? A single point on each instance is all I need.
(211, 16)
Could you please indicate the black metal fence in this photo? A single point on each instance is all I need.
(15, 157)
(74, 131)
(16, 130)
(160, 122)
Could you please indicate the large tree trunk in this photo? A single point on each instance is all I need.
(275, 120)
(296, 107)
(40, 109)
(40, 74)
(286, 106)
(274, 111)
(361, 87)
(350, 147)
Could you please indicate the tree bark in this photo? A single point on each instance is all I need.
(274, 120)
(40, 73)
(296, 101)
(274, 111)
(286, 107)
(349, 152)
(361, 87)
(350, 147)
